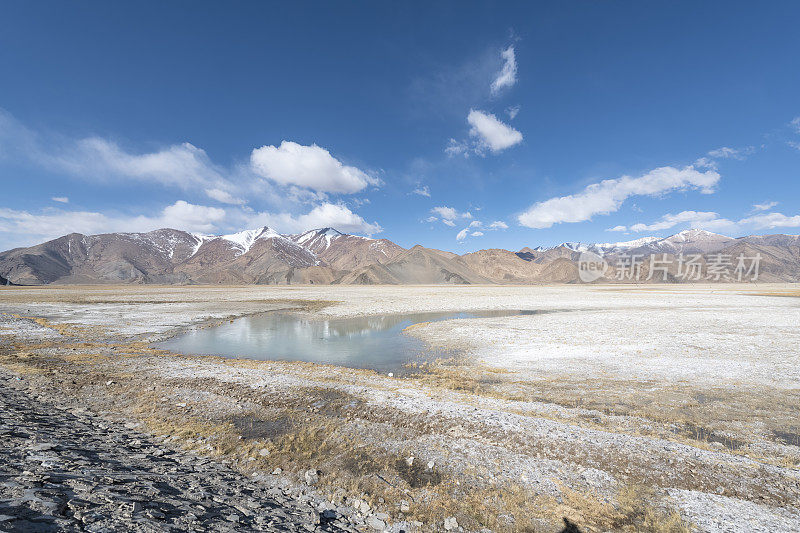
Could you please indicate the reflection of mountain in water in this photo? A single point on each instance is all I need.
(375, 342)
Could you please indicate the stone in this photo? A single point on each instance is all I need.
(263, 452)
(450, 523)
(362, 506)
(101, 476)
(376, 523)
(155, 514)
(404, 506)
(311, 477)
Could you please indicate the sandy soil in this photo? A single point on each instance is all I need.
(657, 407)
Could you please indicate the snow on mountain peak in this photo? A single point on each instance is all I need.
(328, 231)
(244, 240)
(635, 243)
(694, 234)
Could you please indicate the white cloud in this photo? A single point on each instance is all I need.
(507, 76)
(710, 162)
(224, 197)
(711, 221)
(717, 224)
(772, 220)
(469, 231)
(310, 167)
(181, 165)
(60, 199)
(325, 215)
(422, 191)
(186, 216)
(795, 124)
(23, 228)
(608, 195)
(765, 206)
(449, 215)
(492, 133)
(695, 218)
(513, 111)
(26, 228)
(498, 224)
(732, 153)
(431, 219)
(457, 148)
(29, 228)
(705, 162)
(304, 174)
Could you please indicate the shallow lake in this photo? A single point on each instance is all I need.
(373, 342)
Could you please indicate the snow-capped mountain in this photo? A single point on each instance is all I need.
(626, 245)
(346, 252)
(688, 241)
(244, 240)
(319, 240)
(325, 255)
(259, 255)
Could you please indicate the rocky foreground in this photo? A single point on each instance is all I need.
(64, 469)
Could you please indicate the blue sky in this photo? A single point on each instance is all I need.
(456, 125)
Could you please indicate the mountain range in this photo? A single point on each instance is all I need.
(327, 256)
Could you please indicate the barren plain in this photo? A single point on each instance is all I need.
(648, 408)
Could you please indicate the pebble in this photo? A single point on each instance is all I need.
(376, 523)
(312, 477)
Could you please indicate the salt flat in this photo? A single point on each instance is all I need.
(675, 402)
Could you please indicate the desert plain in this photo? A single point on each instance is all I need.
(617, 407)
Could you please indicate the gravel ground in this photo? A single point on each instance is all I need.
(692, 391)
(63, 469)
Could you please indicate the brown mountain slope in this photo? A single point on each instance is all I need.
(547, 255)
(346, 252)
(418, 265)
(106, 258)
(502, 266)
(323, 256)
(218, 261)
(560, 270)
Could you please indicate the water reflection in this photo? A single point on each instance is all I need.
(374, 342)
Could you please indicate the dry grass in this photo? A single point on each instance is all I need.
(318, 435)
(631, 510)
(703, 418)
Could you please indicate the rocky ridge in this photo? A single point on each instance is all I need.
(327, 256)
